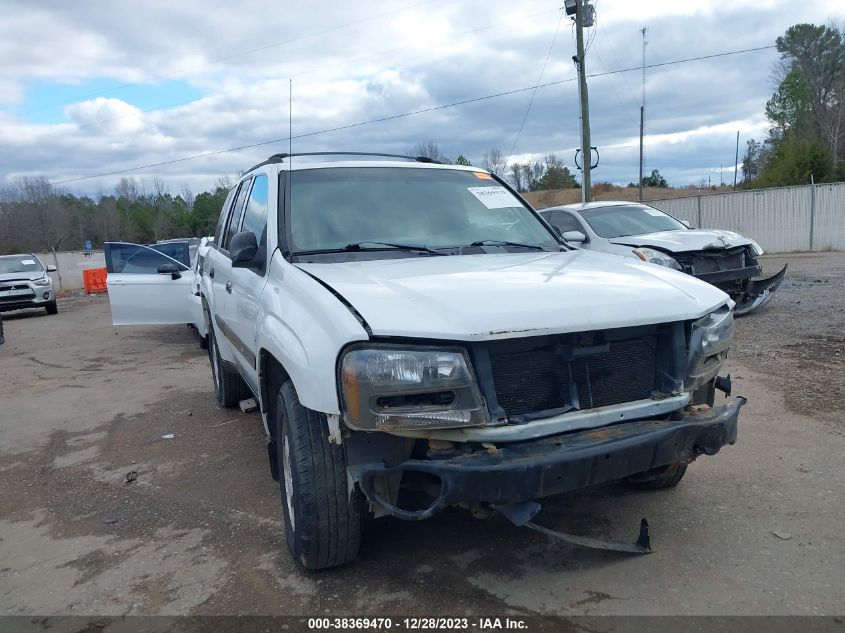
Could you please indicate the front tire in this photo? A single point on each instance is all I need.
(52, 307)
(229, 387)
(323, 520)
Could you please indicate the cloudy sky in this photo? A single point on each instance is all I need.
(89, 87)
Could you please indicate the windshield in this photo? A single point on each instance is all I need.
(19, 264)
(629, 219)
(332, 208)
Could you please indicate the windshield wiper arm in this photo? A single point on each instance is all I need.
(536, 247)
(377, 246)
(420, 248)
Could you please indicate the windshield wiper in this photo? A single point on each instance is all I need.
(377, 246)
(536, 247)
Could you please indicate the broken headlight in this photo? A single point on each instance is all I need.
(390, 388)
(756, 248)
(710, 337)
(654, 256)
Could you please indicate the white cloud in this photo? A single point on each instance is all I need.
(106, 116)
(413, 58)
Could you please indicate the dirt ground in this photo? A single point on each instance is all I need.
(756, 529)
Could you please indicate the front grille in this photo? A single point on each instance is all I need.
(20, 292)
(14, 287)
(540, 379)
(699, 262)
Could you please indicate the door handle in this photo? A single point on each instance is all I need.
(229, 287)
(211, 272)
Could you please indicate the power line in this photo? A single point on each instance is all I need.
(613, 88)
(534, 92)
(315, 133)
(243, 89)
(233, 56)
(403, 115)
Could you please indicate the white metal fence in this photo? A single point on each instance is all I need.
(805, 218)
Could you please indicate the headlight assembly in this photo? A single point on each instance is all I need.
(654, 256)
(391, 387)
(710, 337)
(44, 281)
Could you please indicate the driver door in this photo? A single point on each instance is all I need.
(139, 294)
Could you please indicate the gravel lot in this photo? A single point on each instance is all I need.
(757, 529)
(798, 340)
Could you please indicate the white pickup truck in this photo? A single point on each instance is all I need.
(418, 337)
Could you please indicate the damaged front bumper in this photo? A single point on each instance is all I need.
(756, 293)
(552, 465)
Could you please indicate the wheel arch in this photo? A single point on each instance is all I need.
(271, 376)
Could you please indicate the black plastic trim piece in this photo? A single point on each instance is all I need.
(523, 471)
(239, 344)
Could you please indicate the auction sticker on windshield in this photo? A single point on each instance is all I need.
(494, 197)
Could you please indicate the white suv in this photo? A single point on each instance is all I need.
(417, 337)
(25, 283)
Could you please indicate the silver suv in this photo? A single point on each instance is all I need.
(24, 283)
(418, 337)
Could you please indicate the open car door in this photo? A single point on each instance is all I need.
(150, 285)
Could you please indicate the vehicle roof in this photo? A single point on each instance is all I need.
(597, 205)
(303, 162)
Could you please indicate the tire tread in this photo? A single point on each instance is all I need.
(328, 518)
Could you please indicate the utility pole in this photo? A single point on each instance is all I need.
(736, 159)
(642, 120)
(586, 151)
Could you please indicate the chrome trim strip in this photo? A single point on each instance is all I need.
(573, 421)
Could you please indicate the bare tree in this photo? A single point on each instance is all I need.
(188, 198)
(160, 204)
(128, 188)
(516, 177)
(428, 149)
(494, 161)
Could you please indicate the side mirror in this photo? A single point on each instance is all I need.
(51, 268)
(574, 236)
(686, 224)
(170, 269)
(243, 248)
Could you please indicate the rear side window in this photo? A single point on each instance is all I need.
(224, 213)
(237, 213)
(122, 257)
(255, 216)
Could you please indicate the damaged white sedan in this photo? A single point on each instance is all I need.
(631, 229)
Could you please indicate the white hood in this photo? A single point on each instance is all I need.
(479, 297)
(684, 240)
(31, 275)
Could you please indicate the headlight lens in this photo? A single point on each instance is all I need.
(758, 250)
(654, 256)
(391, 388)
(44, 281)
(710, 338)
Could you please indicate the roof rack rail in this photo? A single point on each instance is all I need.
(279, 158)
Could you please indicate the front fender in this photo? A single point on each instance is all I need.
(304, 327)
